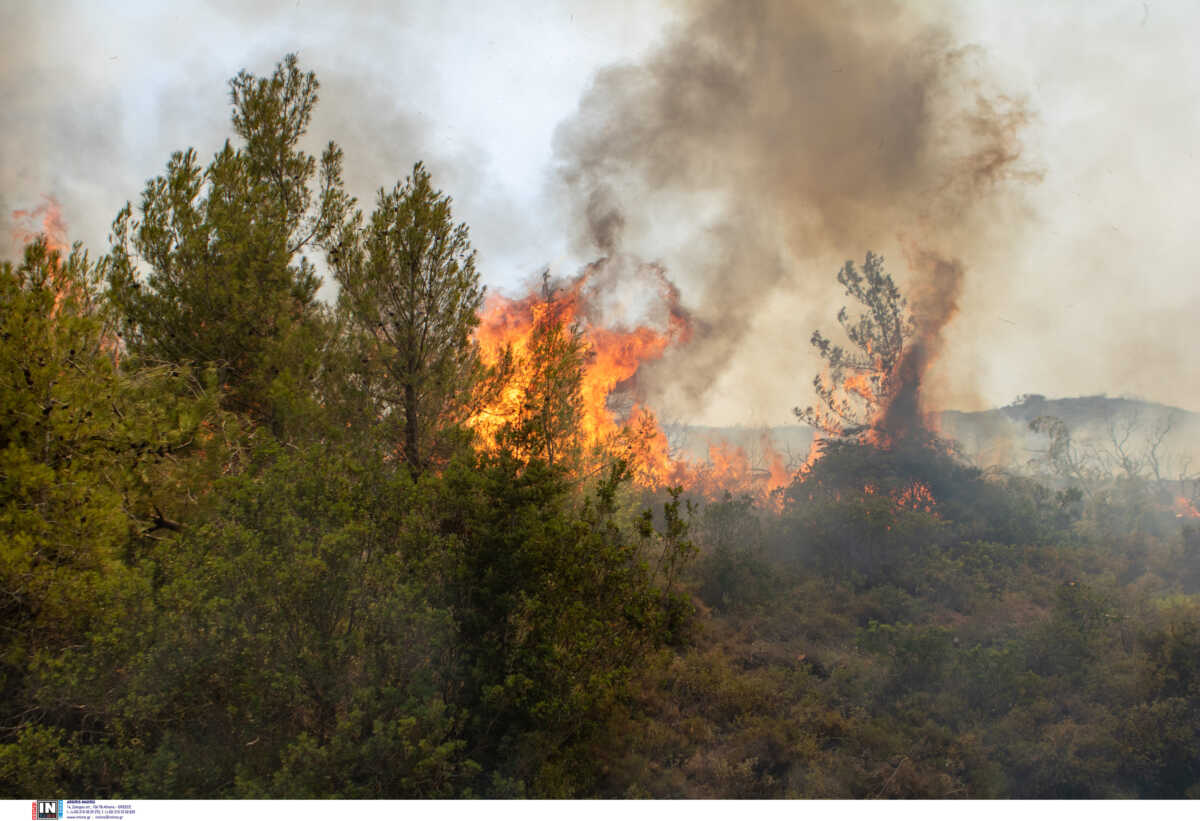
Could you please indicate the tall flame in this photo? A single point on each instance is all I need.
(615, 418)
(47, 222)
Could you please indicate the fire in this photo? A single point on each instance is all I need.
(615, 420)
(860, 383)
(614, 356)
(47, 222)
(916, 496)
(778, 474)
(1185, 509)
(814, 456)
(731, 470)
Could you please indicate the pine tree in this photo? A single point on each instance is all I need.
(91, 460)
(212, 270)
(858, 381)
(546, 424)
(410, 287)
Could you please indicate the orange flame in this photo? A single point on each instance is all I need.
(1185, 509)
(614, 357)
(49, 222)
(615, 419)
(917, 496)
(860, 383)
(45, 221)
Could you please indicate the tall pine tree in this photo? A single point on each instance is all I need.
(213, 270)
(410, 286)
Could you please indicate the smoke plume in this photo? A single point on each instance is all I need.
(790, 135)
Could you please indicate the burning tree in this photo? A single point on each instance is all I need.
(859, 383)
(871, 441)
(545, 414)
(573, 360)
(568, 362)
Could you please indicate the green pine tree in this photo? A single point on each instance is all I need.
(212, 269)
(410, 288)
(93, 458)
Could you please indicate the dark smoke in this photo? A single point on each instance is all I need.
(936, 291)
(822, 129)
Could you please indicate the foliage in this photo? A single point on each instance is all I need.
(212, 269)
(732, 571)
(218, 583)
(558, 607)
(410, 287)
(857, 382)
(89, 459)
(304, 641)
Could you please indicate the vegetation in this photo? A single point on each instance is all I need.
(409, 285)
(212, 271)
(859, 381)
(249, 549)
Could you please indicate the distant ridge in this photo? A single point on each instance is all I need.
(996, 437)
(1098, 424)
(1074, 410)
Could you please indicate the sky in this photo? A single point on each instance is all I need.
(1079, 266)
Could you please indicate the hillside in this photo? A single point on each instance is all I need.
(999, 437)
(1100, 426)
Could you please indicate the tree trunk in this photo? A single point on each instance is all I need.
(412, 431)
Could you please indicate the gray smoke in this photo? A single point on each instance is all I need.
(791, 134)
